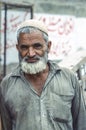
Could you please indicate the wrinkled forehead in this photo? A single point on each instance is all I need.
(32, 36)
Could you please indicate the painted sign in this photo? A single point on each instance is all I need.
(66, 32)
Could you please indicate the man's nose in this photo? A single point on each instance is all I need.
(31, 52)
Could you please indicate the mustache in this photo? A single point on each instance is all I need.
(26, 58)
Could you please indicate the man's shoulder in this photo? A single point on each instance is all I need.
(14, 72)
(64, 71)
(56, 65)
(7, 81)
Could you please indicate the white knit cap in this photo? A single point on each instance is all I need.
(34, 23)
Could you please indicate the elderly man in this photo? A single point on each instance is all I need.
(38, 94)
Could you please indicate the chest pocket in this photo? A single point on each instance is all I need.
(60, 114)
(59, 107)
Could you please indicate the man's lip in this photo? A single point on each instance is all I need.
(31, 60)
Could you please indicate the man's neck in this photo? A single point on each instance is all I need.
(38, 80)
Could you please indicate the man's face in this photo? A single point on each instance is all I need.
(33, 52)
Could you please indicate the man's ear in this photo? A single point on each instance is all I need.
(49, 46)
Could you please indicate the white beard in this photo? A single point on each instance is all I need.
(33, 68)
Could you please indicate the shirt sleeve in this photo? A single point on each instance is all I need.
(5, 116)
(78, 108)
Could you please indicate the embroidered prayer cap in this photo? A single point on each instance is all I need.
(34, 23)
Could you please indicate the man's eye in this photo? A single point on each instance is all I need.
(37, 46)
(23, 47)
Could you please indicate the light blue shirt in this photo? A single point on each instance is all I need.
(60, 106)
